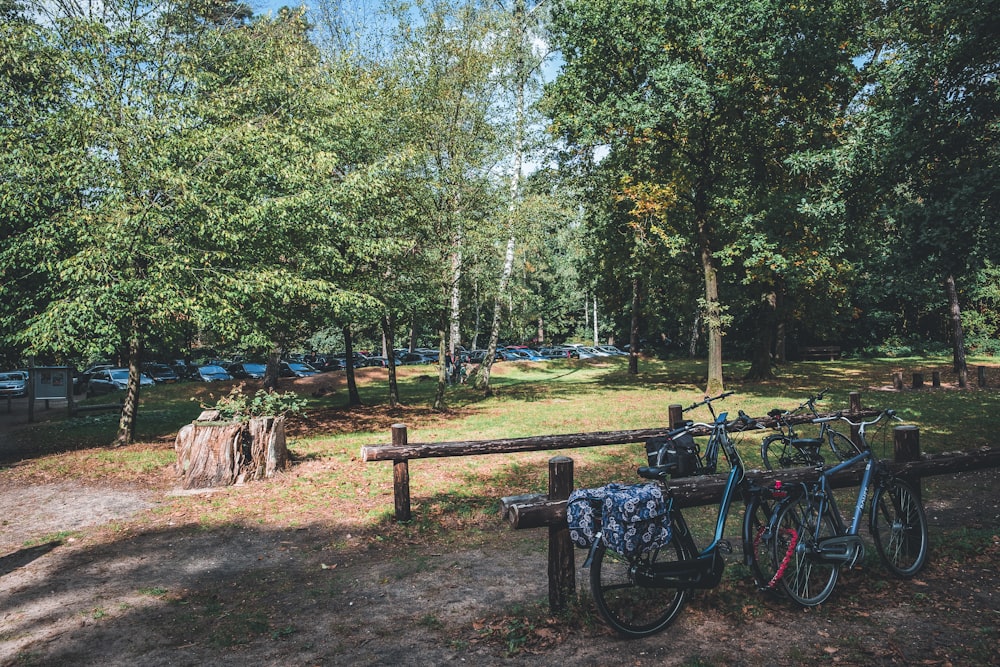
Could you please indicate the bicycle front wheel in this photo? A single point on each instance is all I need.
(807, 578)
(633, 610)
(898, 526)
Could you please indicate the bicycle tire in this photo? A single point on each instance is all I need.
(632, 610)
(898, 526)
(807, 579)
(778, 449)
(758, 550)
(843, 447)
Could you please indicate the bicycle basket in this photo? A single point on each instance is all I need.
(636, 519)
(678, 449)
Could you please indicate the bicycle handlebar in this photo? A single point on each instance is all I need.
(708, 399)
(891, 414)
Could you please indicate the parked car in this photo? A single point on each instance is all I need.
(612, 350)
(13, 384)
(162, 374)
(529, 354)
(413, 358)
(247, 371)
(296, 369)
(212, 373)
(327, 364)
(110, 380)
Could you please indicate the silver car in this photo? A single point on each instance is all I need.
(13, 384)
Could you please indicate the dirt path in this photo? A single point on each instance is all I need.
(137, 584)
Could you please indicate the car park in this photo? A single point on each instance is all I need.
(111, 380)
(212, 373)
(247, 371)
(612, 350)
(13, 384)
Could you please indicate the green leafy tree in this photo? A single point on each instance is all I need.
(933, 111)
(704, 102)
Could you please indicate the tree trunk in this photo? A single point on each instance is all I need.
(483, 374)
(958, 337)
(596, 342)
(455, 311)
(388, 324)
(693, 343)
(354, 398)
(633, 340)
(482, 379)
(760, 364)
(713, 318)
(271, 369)
(212, 454)
(126, 424)
(412, 345)
(442, 371)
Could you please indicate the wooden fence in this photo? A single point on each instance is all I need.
(549, 511)
(400, 452)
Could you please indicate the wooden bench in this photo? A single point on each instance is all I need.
(820, 353)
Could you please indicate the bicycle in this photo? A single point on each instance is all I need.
(812, 529)
(641, 595)
(789, 450)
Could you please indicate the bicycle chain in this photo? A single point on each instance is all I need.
(788, 554)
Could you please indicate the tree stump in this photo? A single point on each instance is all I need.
(212, 453)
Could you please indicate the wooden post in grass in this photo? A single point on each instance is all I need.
(906, 448)
(936, 379)
(918, 380)
(562, 570)
(675, 415)
(981, 373)
(401, 476)
(897, 381)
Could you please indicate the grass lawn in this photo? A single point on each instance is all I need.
(530, 399)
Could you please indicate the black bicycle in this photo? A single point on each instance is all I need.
(787, 449)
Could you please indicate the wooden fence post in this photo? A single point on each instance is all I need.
(401, 476)
(936, 379)
(897, 380)
(906, 448)
(981, 372)
(675, 415)
(918, 380)
(562, 570)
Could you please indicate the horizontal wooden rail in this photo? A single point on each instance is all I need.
(541, 443)
(536, 511)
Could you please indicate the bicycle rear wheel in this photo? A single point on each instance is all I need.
(757, 547)
(634, 610)
(843, 447)
(808, 578)
(898, 526)
(778, 451)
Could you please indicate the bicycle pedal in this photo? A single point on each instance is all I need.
(725, 546)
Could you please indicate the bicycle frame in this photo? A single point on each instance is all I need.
(846, 546)
(706, 568)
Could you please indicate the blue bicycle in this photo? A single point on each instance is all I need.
(642, 593)
(812, 531)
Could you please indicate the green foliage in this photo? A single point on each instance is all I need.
(237, 406)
